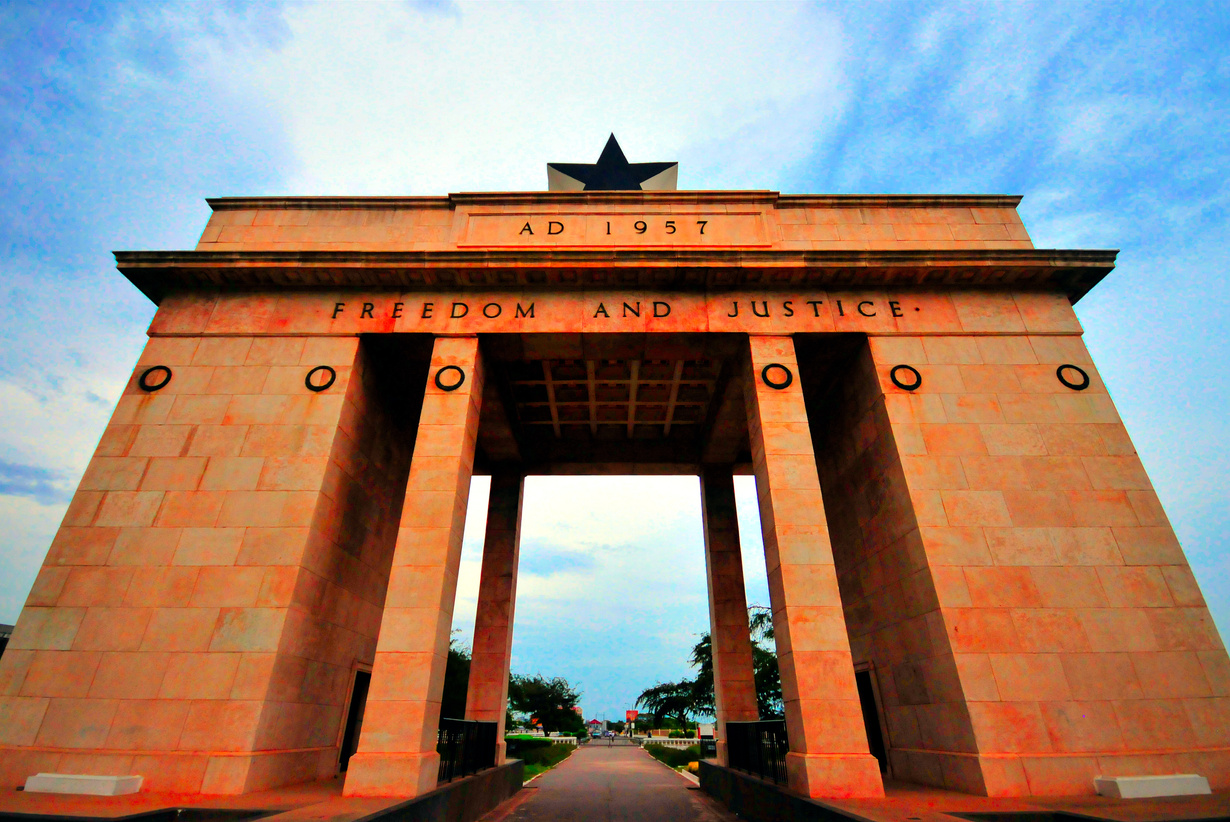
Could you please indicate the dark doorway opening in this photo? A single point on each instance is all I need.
(871, 718)
(354, 717)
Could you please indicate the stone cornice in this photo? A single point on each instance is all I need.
(158, 273)
(522, 198)
(898, 200)
(319, 203)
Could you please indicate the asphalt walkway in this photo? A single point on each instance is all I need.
(611, 784)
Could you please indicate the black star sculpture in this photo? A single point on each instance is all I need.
(612, 172)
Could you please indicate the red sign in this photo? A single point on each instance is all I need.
(632, 715)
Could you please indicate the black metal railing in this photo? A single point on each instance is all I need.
(759, 748)
(465, 746)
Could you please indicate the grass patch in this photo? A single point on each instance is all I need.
(540, 758)
(674, 757)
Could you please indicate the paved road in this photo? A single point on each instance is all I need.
(612, 784)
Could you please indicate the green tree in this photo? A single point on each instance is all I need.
(764, 663)
(704, 698)
(552, 701)
(456, 681)
(674, 699)
(696, 697)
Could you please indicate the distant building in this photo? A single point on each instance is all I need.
(6, 631)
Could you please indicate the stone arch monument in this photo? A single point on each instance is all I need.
(949, 499)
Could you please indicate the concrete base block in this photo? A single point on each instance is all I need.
(83, 784)
(463, 800)
(756, 800)
(1143, 787)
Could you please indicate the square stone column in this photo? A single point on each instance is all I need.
(1080, 639)
(397, 748)
(828, 740)
(197, 616)
(734, 685)
(487, 692)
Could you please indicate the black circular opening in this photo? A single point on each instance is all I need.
(764, 375)
(148, 384)
(311, 386)
(910, 370)
(442, 385)
(1080, 385)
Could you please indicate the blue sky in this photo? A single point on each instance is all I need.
(117, 120)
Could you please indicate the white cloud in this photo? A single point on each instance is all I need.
(111, 137)
(1099, 130)
(412, 102)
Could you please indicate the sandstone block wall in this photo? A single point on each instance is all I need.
(1080, 641)
(989, 543)
(828, 755)
(200, 602)
(887, 589)
(753, 219)
(397, 748)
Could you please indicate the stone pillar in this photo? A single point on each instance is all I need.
(1079, 636)
(176, 629)
(397, 748)
(487, 692)
(828, 741)
(733, 684)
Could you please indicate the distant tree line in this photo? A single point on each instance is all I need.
(551, 701)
